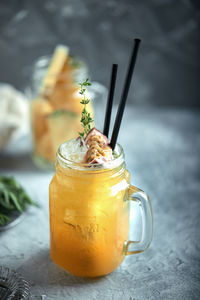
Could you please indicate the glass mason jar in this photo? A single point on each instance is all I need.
(55, 115)
(89, 216)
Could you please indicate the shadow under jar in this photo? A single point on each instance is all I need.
(89, 216)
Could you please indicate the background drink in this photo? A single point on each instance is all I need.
(55, 108)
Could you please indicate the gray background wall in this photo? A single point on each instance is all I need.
(101, 32)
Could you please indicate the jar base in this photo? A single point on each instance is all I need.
(83, 274)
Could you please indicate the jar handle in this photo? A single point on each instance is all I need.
(144, 203)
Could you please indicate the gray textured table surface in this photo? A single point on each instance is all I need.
(162, 152)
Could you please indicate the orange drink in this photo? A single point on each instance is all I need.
(89, 215)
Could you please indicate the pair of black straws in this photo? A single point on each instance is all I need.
(122, 103)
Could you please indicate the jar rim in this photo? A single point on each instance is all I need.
(113, 164)
(43, 62)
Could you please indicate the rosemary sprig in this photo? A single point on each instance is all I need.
(12, 198)
(86, 118)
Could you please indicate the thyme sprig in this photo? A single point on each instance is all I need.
(86, 118)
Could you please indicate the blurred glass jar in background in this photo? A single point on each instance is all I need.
(55, 113)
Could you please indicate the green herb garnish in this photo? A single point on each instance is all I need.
(86, 118)
(12, 198)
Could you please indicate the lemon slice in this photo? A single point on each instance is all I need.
(58, 60)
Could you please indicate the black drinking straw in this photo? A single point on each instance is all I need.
(110, 100)
(124, 93)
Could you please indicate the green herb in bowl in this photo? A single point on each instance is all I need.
(12, 198)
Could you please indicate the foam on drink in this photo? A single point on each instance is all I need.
(74, 150)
